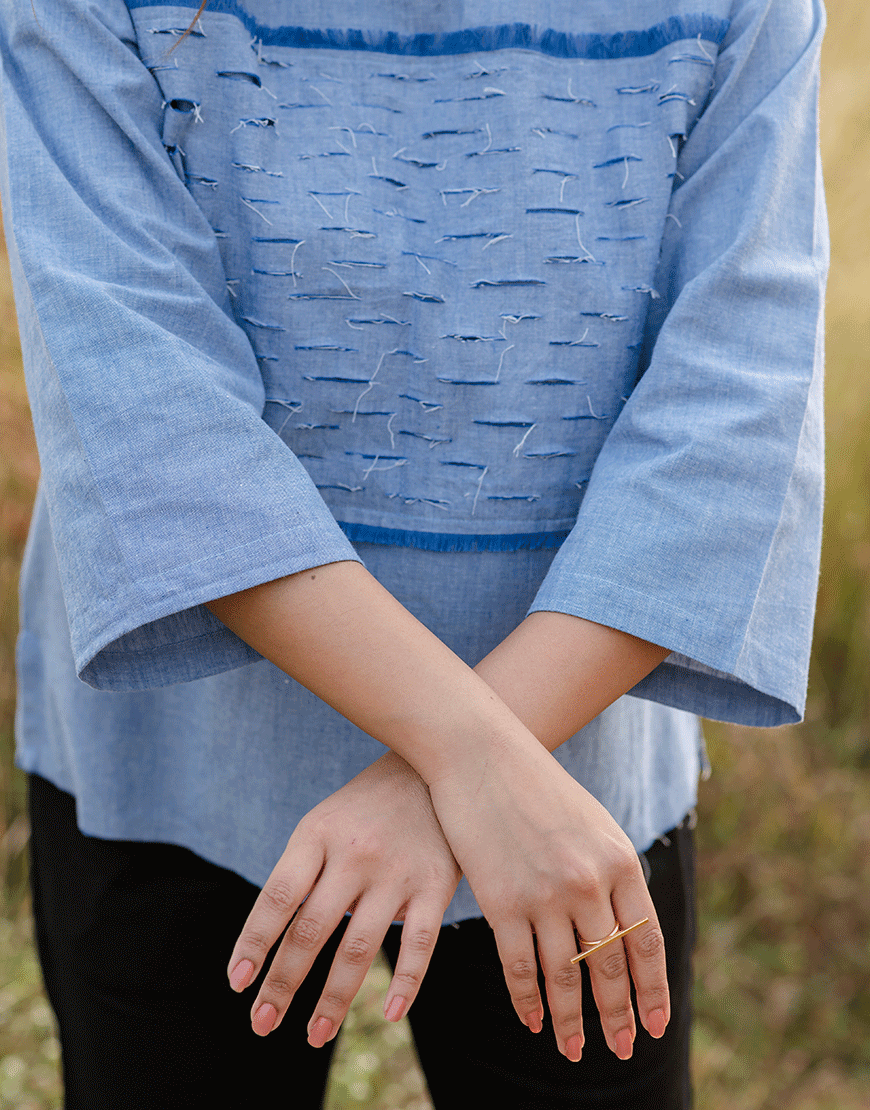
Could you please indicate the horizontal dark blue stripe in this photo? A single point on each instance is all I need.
(451, 541)
(506, 36)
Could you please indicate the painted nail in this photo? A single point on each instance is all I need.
(264, 1019)
(396, 1008)
(320, 1032)
(241, 975)
(533, 1020)
(656, 1023)
(574, 1048)
(623, 1044)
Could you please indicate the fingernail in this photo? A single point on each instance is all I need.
(396, 1008)
(320, 1032)
(241, 974)
(624, 1044)
(574, 1048)
(533, 1020)
(656, 1024)
(264, 1019)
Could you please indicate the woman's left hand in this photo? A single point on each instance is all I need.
(373, 847)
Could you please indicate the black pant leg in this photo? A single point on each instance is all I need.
(134, 940)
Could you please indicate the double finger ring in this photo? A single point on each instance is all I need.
(615, 934)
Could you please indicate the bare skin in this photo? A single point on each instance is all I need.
(469, 784)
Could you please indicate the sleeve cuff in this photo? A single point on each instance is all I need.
(177, 639)
(697, 676)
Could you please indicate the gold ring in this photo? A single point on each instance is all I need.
(615, 935)
(594, 943)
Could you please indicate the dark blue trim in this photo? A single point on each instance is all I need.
(472, 40)
(451, 541)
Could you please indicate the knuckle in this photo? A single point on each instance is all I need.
(650, 944)
(334, 1002)
(358, 950)
(619, 1015)
(411, 979)
(306, 932)
(626, 867)
(252, 941)
(366, 849)
(613, 966)
(277, 986)
(523, 1003)
(279, 896)
(567, 1020)
(585, 883)
(549, 894)
(420, 941)
(523, 971)
(566, 978)
(655, 996)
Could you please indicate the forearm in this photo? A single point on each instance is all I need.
(557, 672)
(339, 633)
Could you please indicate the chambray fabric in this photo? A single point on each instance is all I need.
(469, 284)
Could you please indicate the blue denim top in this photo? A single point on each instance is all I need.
(522, 300)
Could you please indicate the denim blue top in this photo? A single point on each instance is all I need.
(522, 299)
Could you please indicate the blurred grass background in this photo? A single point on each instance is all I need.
(782, 999)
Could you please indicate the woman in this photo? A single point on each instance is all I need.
(525, 303)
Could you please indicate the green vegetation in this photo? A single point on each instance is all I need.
(783, 1010)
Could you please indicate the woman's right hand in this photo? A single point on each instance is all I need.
(545, 861)
(374, 847)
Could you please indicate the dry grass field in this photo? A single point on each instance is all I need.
(782, 1000)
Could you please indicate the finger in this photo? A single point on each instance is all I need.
(419, 933)
(611, 985)
(516, 950)
(556, 946)
(315, 922)
(285, 890)
(646, 956)
(359, 946)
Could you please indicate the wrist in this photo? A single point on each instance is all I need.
(459, 730)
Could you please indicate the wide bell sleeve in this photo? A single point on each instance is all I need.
(701, 526)
(164, 486)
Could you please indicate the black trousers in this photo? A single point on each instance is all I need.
(134, 939)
